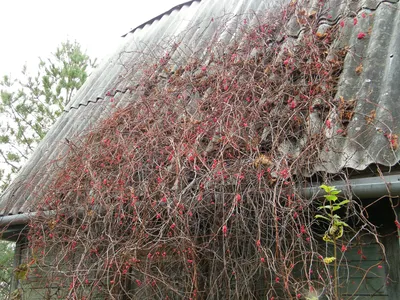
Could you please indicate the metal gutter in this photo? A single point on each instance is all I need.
(19, 219)
(362, 188)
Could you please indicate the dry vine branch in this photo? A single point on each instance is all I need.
(191, 190)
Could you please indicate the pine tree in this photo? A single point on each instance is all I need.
(31, 104)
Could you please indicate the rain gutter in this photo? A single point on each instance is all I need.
(19, 219)
(361, 188)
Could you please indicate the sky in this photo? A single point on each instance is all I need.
(34, 28)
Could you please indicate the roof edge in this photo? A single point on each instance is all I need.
(362, 188)
(178, 7)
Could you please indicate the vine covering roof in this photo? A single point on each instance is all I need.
(367, 88)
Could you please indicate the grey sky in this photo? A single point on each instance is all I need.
(29, 29)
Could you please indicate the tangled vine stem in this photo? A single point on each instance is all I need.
(191, 190)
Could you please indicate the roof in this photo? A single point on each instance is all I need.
(193, 21)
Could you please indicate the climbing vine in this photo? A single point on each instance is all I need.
(192, 188)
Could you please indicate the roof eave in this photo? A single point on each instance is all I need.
(361, 188)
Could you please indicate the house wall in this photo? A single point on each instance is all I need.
(392, 246)
(375, 265)
(363, 274)
(35, 285)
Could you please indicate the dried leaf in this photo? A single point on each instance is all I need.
(370, 117)
(394, 141)
(195, 121)
(359, 69)
(52, 224)
(346, 109)
(348, 115)
(312, 14)
(321, 35)
(342, 53)
(21, 272)
(262, 160)
(301, 21)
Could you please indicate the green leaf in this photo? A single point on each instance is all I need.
(343, 202)
(341, 223)
(329, 260)
(331, 197)
(4, 139)
(13, 157)
(327, 188)
(327, 238)
(325, 207)
(335, 192)
(322, 217)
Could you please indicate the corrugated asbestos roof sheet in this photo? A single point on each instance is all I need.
(378, 83)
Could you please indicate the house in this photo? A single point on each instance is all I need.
(188, 166)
